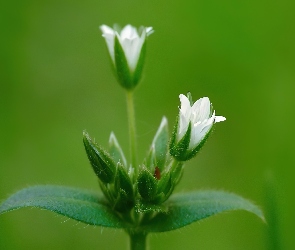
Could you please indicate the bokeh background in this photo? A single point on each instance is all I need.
(56, 81)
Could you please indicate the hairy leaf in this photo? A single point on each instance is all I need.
(88, 207)
(186, 208)
(79, 204)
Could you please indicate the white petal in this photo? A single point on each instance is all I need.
(131, 44)
(106, 29)
(149, 31)
(196, 135)
(201, 110)
(109, 35)
(129, 32)
(200, 129)
(182, 126)
(219, 118)
(185, 106)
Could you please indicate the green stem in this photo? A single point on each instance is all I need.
(132, 131)
(137, 240)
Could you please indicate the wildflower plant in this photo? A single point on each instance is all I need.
(137, 196)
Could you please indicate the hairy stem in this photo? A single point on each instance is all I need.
(137, 240)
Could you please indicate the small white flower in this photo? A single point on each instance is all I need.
(131, 42)
(200, 117)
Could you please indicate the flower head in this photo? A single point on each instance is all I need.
(127, 48)
(195, 121)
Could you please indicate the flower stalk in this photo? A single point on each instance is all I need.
(132, 130)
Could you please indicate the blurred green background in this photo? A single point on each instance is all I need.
(56, 81)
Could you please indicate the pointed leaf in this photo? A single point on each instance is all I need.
(78, 204)
(184, 209)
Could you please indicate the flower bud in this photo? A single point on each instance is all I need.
(116, 151)
(158, 152)
(194, 124)
(101, 162)
(123, 190)
(127, 51)
(147, 185)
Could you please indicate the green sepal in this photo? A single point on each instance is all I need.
(147, 185)
(107, 192)
(164, 184)
(122, 67)
(123, 203)
(192, 153)
(159, 146)
(179, 149)
(176, 172)
(164, 188)
(139, 67)
(116, 151)
(101, 162)
(190, 98)
(123, 181)
(150, 161)
(174, 136)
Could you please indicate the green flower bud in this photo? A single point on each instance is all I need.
(147, 185)
(123, 190)
(102, 163)
(116, 151)
(158, 153)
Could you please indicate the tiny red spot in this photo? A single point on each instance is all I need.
(157, 173)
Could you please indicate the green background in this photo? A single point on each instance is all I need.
(56, 81)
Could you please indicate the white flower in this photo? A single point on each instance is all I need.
(130, 40)
(200, 117)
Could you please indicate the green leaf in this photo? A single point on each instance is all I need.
(186, 208)
(78, 204)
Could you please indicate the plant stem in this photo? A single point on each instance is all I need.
(132, 130)
(137, 240)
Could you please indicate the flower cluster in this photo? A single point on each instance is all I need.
(146, 186)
